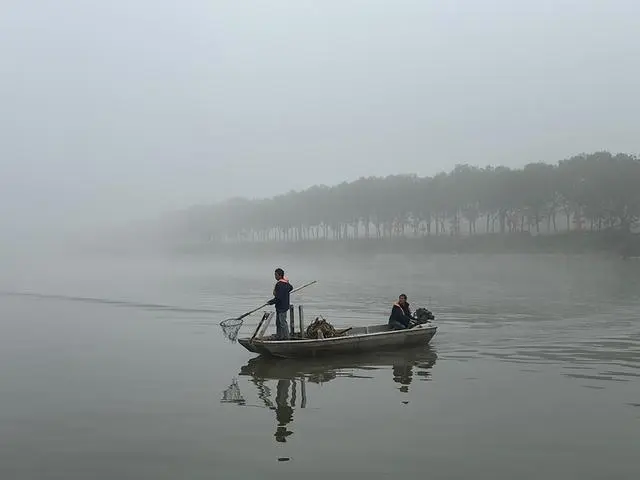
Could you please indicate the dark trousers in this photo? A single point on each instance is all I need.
(282, 329)
(396, 325)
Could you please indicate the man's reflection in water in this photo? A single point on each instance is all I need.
(284, 411)
(403, 374)
(403, 370)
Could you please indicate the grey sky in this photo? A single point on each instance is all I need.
(120, 109)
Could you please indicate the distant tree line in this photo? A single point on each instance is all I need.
(587, 192)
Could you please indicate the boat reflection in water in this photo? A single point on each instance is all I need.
(291, 376)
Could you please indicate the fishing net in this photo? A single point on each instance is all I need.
(231, 328)
(320, 325)
(232, 394)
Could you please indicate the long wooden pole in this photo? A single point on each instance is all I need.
(301, 320)
(292, 321)
(264, 317)
(265, 304)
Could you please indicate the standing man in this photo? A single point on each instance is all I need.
(281, 301)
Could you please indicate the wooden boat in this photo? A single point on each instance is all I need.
(355, 340)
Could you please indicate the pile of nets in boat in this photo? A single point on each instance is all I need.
(320, 325)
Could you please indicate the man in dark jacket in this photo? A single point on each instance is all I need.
(281, 301)
(400, 317)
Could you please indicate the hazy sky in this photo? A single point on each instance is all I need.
(120, 109)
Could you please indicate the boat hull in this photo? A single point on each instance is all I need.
(363, 339)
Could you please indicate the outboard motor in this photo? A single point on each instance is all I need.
(423, 315)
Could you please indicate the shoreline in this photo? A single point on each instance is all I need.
(607, 242)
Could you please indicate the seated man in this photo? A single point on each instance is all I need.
(400, 317)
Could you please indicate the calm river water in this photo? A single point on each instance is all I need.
(114, 367)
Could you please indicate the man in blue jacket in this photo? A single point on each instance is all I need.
(400, 317)
(281, 301)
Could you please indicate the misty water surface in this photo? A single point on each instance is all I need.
(115, 367)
